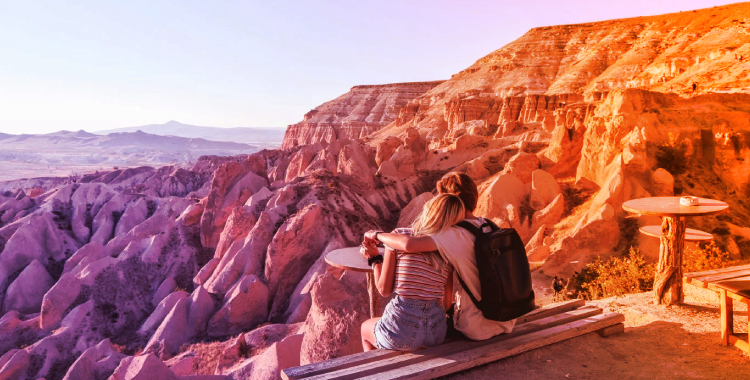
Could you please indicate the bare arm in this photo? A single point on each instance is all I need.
(409, 244)
(385, 273)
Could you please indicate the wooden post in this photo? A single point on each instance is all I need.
(372, 291)
(668, 279)
(727, 317)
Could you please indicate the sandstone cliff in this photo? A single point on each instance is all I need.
(359, 112)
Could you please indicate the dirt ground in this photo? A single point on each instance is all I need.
(678, 342)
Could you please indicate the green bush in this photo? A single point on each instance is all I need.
(616, 276)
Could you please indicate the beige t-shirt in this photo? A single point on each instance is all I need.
(456, 245)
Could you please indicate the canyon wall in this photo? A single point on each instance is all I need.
(359, 112)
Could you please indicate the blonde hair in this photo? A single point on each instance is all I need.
(438, 214)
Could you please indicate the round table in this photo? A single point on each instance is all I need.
(668, 278)
(351, 259)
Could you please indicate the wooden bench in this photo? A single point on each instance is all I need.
(731, 283)
(539, 328)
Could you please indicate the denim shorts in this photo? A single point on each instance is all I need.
(410, 323)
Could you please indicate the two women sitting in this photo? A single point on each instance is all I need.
(419, 269)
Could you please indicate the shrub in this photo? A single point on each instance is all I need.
(671, 155)
(632, 274)
(616, 276)
(706, 256)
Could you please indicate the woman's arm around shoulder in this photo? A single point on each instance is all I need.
(409, 244)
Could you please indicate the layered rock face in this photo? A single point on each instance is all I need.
(361, 111)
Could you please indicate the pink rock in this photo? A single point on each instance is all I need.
(134, 214)
(165, 288)
(504, 190)
(537, 240)
(25, 294)
(386, 149)
(412, 210)
(358, 161)
(296, 245)
(596, 234)
(270, 363)
(187, 319)
(103, 224)
(192, 214)
(332, 329)
(237, 226)
(549, 215)
(206, 272)
(522, 165)
(232, 184)
(86, 255)
(544, 189)
(539, 253)
(324, 161)
(25, 245)
(97, 362)
(18, 331)
(162, 310)
(87, 200)
(662, 183)
(301, 160)
(13, 365)
(245, 306)
(257, 200)
(300, 301)
(248, 259)
(145, 367)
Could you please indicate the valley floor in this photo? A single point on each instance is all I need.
(678, 342)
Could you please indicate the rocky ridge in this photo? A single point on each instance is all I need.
(359, 112)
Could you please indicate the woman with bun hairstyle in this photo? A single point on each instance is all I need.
(456, 247)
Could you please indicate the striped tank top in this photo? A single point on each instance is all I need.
(416, 278)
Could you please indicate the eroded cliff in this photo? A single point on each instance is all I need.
(359, 112)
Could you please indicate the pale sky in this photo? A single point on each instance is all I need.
(104, 64)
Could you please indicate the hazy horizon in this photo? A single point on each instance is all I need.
(94, 66)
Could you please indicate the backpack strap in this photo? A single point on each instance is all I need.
(477, 232)
(468, 291)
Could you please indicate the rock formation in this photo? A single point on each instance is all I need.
(361, 111)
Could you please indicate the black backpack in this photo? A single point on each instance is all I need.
(504, 274)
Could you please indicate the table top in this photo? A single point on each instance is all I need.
(666, 206)
(349, 259)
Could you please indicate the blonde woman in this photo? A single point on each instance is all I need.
(422, 283)
(456, 246)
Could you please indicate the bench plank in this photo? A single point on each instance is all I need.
(349, 361)
(714, 271)
(611, 330)
(549, 310)
(729, 275)
(460, 361)
(443, 350)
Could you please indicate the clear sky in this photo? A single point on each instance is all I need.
(104, 64)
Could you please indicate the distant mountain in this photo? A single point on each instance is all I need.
(265, 137)
(64, 152)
